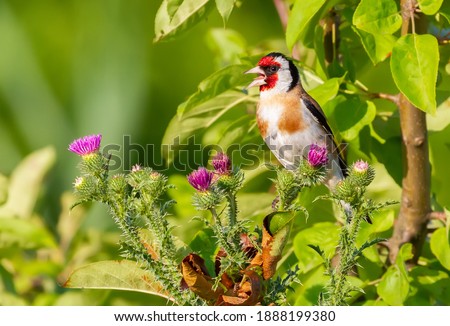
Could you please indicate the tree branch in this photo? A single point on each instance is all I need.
(415, 199)
(283, 13)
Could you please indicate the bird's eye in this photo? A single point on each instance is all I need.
(270, 70)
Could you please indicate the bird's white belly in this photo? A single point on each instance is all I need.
(289, 148)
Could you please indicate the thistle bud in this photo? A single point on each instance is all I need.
(85, 186)
(345, 190)
(287, 185)
(118, 184)
(206, 200)
(361, 173)
(222, 164)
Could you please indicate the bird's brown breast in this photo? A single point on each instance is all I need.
(288, 107)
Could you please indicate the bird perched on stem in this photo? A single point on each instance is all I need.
(289, 119)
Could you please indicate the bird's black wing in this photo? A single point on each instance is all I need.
(318, 114)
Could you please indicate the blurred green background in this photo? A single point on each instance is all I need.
(70, 68)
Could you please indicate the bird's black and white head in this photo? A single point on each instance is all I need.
(276, 74)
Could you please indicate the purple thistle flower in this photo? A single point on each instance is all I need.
(222, 163)
(86, 145)
(200, 179)
(360, 166)
(317, 155)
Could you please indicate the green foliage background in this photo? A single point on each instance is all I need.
(71, 68)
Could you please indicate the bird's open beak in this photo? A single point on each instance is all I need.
(258, 81)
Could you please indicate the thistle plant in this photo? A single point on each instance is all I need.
(132, 200)
(351, 190)
(246, 258)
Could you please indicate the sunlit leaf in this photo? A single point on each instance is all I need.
(176, 16)
(9, 299)
(69, 220)
(377, 16)
(225, 79)
(276, 228)
(225, 7)
(394, 286)
(254, 203)
(199, 117)
(25, 183)
(430, 7)
(327, 91)
(276, 221)
(115, 275)
(227, 45)
(440, 246)
(302, 12)
(414, 66)
(26, 234)
(378, 46)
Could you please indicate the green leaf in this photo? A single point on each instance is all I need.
(324, 235)
(9, 299)
(394, 286)
(440, 246)
(430, 7)
(204, 245)
(433, 282)
(381, 222)
(252, 204)
(350, 115)
(327, 91)
(445, 10)
(439, 154)
(377, 46)
(414, 66)
(278, 220)
(26, 234)
(198, 119)
(225, 79)
(377, 16)
(313, 283)
(225, 7)
(115, 275)
(227, 44)
(302, 12)
(25, 183)
(177, 16)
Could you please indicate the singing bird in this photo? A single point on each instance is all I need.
(289, 119)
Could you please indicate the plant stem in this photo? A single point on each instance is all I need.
(283, 12)
(232, 208)
(338, 289)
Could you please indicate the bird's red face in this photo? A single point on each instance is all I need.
(276, 74)
(266, 69)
